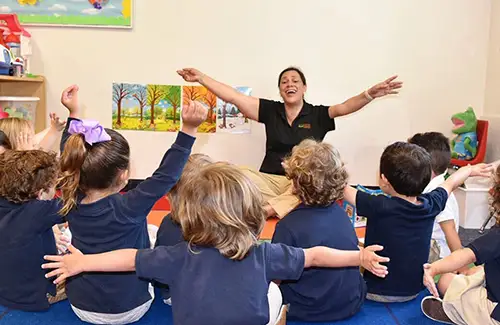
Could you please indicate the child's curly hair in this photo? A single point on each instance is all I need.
(495, 195)
(317, 172)
(24, 174)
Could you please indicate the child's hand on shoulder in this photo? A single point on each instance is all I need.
(429, 280)
(371, 261)
(55, 122)
(193, 114)
(69, 98)
(65, 266)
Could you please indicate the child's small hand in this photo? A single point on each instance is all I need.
(69, 98)
(24, 141)
(55, 122)
(429, 280)
(483, 170)
(371, 261)
(62, 241)
(64, 266)
(193, 115)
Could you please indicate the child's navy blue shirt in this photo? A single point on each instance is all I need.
(169, 234)
(117, 222)
(321, 294)
(487, 251)
(404, 230)
(25, 237)
(208, 288)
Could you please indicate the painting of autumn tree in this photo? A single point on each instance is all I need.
(203, 95)
(155, 94)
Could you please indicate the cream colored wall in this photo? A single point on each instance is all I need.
(439, 49)
(492, 93)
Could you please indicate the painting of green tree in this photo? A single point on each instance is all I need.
(146, 107)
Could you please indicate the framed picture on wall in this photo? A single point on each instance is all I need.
(72, 13)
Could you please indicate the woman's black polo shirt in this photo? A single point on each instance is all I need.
(313, 122)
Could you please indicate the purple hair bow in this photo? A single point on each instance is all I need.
(91, 130)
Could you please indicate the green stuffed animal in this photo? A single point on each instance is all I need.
(464, 145)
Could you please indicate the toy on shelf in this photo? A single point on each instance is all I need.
(16, 40)
(464, 145)
(22, 107)
(359, 221)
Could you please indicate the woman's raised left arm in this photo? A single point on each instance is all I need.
(353, 104)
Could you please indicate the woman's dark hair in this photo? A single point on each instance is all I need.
(4, 140)
(301, 74)
(86, 167)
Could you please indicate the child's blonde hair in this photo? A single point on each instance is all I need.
(13, 127)
(194, 164)
(222, 209)
(317, 173)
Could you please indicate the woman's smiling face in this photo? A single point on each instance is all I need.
(292, 87)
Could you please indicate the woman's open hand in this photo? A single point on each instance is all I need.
(387, 87)
(190, 74)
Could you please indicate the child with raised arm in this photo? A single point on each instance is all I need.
(219, 274)
(470, 299)
(402, 223)
(445, 237)
(319, 178)
(95, 167)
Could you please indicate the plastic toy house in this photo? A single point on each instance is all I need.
(15, 38)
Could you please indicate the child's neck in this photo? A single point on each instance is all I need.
(411, 199)
(92, 196)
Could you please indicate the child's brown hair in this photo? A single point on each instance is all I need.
(495, 194)
(193, 166)
(25, 174)
(91, 167)
(13, 127)
(222, 209)
(317, 173)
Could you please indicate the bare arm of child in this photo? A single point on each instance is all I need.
(51, 136)
(320, 256)
(452, 239)
(457, 260)
(72, 264)
(459, 177)
(350, 195)
(69, 98)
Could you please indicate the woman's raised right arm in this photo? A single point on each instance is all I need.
(248, 105)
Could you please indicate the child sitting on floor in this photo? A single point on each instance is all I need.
(95, 167)
(27, 180)
(445, 237)
(170, 232)
(402, 223)
(319, 178)
(472, 298)
(219, 274)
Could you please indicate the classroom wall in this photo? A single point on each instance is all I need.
(492, 93)
(438, 48)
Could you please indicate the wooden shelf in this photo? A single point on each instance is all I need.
(21, 79)
(27, 87)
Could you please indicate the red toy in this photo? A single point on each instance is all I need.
(11, 31)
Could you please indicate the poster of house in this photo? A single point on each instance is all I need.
(90, 13)
(229, 117)
(146, 107)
